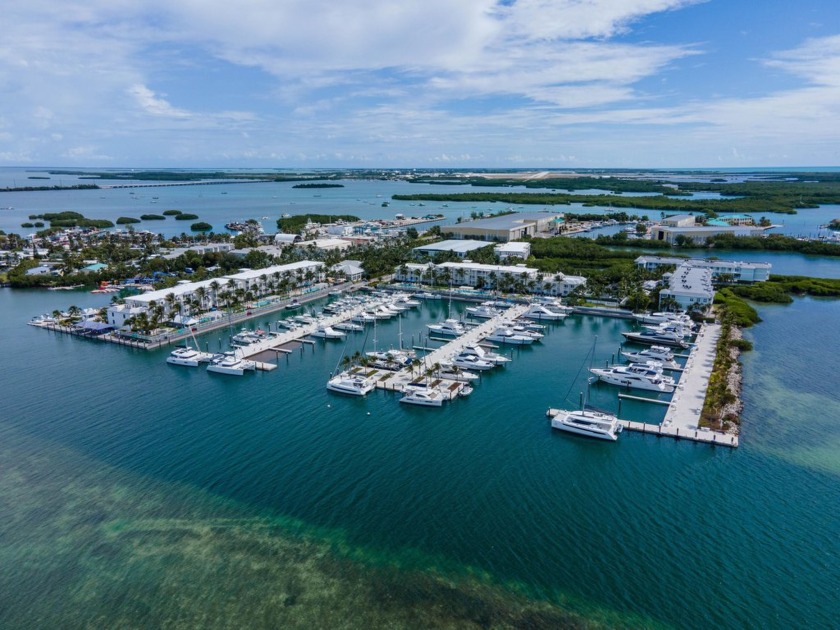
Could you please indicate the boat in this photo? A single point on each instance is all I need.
(507, 336)
(448, 328)
(542, 312)
(351, 384)
(484, 311)
(293, 304)
(349, 327)
(661, 317)
(466, 390)
(327, 332)
(636, 377)
(230, 363)
(586, 421)
(425, 295)
(595, 424)
(403, 358)
(471, 362)
(426, 397)
(452, 372)
(654, 353)
(656, 338)
(184, 355)
(484, 355)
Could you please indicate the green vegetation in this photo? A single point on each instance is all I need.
(740, 313)
(318, 185)
(201, 226)
(186, 217)
(171, 213)
(834, 224)
(778, 289)
(621, 217)
(46, 188)
(127, 220)
(293, 225)
(612, 184)
(152, 217)
(720, 394)
(27, 225)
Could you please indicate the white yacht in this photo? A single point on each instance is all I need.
(229, 363)
(507, 336)
(662, 317)
(425, 295)
(542, 312)
(327, 332)
(353, 385)
(471, 362)
(654, 353)
(452, 372)
(483, 311)
(596, 424)
(188, 356)
(403, 358)
(448, 328)
(349, 327)
(427, 397)
(363, 318)
(637, 377)
(485, 355)
(656, 338)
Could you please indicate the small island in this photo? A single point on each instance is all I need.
(318, 185)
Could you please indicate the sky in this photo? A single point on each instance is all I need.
(434, 84)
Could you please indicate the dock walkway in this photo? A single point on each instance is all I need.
(398, 380)
(682, 419)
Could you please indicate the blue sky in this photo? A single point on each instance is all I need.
(438, 83)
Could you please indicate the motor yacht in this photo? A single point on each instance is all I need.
(448, 328)
(426, 397)
(327, 332)
(595, 424)
(656, 338)
(471, 362)
(230, 363)
(403, 358)
(452, 372)
(655, 353)
(507, 336)
(542, 312)
(484, 311)
(187, 356)
(662, 317)
(485, 355)
(637, 377)
(349, 327)
(351, 384)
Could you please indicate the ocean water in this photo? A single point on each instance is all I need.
(135, 493)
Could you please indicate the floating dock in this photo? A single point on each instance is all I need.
(682, 419)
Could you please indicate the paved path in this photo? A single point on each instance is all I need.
(682, 420)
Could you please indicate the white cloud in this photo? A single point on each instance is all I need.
(153, 104)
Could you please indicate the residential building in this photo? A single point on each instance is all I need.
(737, 271)
(515, 249)
(689, 287)
(489, 276)
(459, 248)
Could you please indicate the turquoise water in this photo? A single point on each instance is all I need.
(140, 493)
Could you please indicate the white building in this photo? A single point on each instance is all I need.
(489, 276)
(513, 249)
(256, 281)
(738, 270)
(352, 269)
(689, 287)
(461, 248)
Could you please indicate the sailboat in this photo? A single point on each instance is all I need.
(586, 421)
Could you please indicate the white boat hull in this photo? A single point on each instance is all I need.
(603, 428)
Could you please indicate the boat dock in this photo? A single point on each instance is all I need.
(397, 381)
(682, 419)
